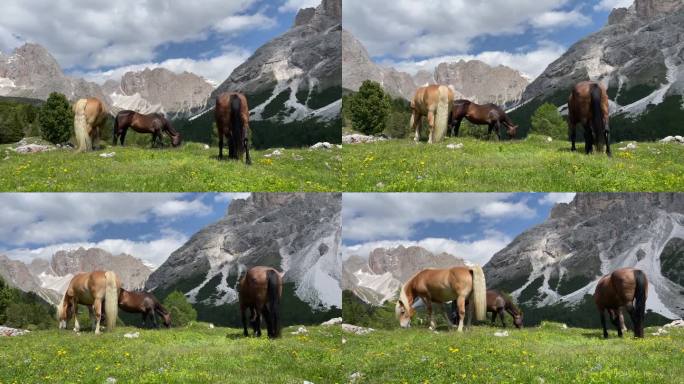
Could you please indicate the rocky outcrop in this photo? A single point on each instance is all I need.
(296, 233)
(560, 260)
(378, 276)
(17, 274)
(298, 72)
(473, 79)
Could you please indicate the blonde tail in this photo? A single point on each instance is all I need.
(442, 114)
(83, 140)
(111, 299)
(479, 293)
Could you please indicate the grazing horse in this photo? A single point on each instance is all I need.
(433, 101)
(489, 114)
(146, 304)
(624, 287)
(90, 116)
(91, 289)
(441, 286)
(232, 121)
(260, 291)
(588, 105)
(497, 303)
(154, 123)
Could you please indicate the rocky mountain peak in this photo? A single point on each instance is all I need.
(651, 9)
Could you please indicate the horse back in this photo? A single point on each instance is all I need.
(253, 286)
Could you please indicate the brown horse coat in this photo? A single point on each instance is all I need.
(497, 304)
(588, 105)
(261, 289)
(232, 122)
(146, 304)
(442, 286)
(489, 114)
(434, 102)
(91, 289)
(623, 288)
(153, 123)
(90, 115)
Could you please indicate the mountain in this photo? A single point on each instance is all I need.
(553, 267)
(49, 278)
(32, 72)
(296, 75)
(639, 54)
(378, 277)
(472, 79)
(178, 95)
(297, 233)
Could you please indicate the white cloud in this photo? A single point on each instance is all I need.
(154, 251)
(295, 5)
(91, 34)
(369, 216)
(229, 196)
(556, 197)
(607, 5)
(42, 218)
(476, 251)
(531, 63)
(176, 208)
(215, 69)
(559, 19)
(501, 209)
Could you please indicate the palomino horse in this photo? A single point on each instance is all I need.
(625, 287)
(588, 105)
(260, 291)
(146, 304)
(433, 101)
(90, 116)
(489, 114)
(232, 121)
(497, 303)
(154, 123)
(91, 289)
(441, 286)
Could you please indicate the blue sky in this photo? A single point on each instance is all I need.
(524, 34)
(103, 40)
(469, 225)
(147, 225)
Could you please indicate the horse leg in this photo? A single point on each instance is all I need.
(220, 145)
(497, 126)
(431, 321)
(77, 327)
(244, 320)
(573, 135)
(501, 315)
(603, 323)
(606, 134)
(588, 139)
(489, 131)
(91, 316)
(460, 302)
(257, 323)
(456, 127)
(431, 124)
(154, 320)
(98, 314)
(494, 314)
(416, 122)
(123, 135)
(620, 321)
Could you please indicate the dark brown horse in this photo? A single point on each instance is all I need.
(624, 288)
(588, 105)
(146, 304)
(497, 304)
(232, 121)
(260, 291)
(488, 114)
(154, 123)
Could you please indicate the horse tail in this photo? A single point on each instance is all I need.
(640, 291)
(236, 123)
(111, 299)
(479, 292)
(81, 126)
(272, 287)
(442, 113)
(597, 118)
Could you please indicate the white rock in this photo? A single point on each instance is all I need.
(676, 323)
(357, 138)
(344, 341)
(7, 331)
(501, 333)
(110, 154)
(206, 146)
(211, 326)
(300, 331)
(628, 147)
(455, 146)
(356, 376)
(333, 321)
(110, 380)
(133, 335)
(33, 148)
(320, 145)
(356, 329)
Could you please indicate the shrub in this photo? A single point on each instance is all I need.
(11, 129)
(22, 315)
(56, 119)
(547, 121)
(369, 108)
(181, 310)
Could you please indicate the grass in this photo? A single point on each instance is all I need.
(547, 354)
(533, 164)
(196, 354)
(188, 168)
